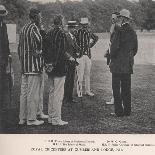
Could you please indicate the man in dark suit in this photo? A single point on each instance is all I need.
(73, 50)
(124, 47)
(4, 57)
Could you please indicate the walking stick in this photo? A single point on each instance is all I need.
(10, 79)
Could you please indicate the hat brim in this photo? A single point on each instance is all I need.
(124, 17)
(84, 23)
(72, 25)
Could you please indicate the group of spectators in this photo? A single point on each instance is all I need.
(66, 54)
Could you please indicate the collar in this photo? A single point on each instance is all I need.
(124, 23)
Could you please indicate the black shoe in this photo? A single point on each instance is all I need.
(116, 115)
(128, 114)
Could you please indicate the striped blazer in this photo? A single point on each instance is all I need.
(56, 51)
(30, 41)
(83, 38)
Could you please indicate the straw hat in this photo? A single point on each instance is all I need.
(84, 21)
(72, 24)
(3, 11)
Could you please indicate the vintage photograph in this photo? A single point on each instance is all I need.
(77, 67)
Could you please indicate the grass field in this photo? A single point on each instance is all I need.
(94, 116)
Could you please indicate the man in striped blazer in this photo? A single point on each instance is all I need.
(30, 55)
(84, 37)
(56, 55)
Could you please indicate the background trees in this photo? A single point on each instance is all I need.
(98, 12)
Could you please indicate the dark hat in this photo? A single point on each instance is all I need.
(3, 11)
(116, 13)
(72, 24)
(33, 12)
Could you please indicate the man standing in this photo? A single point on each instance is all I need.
(113, 28)
(73, 50)
(123, 49)
(30, 55)
(4, 56)
(84, 37)
(55, 57)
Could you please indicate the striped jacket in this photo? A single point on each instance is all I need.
(56, 51)
(83, 38)
(30, 41)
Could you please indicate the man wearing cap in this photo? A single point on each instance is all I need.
(56, 57)
(30, 55)
(4, 56)
(113, 29)
(73, 50)
(123, 48)
(84, 37)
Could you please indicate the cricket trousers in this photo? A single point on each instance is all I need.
(31, 97)
(83, 72)
(56, 93)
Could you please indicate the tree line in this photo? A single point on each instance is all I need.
(98, 11)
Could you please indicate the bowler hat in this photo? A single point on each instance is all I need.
(3, 11)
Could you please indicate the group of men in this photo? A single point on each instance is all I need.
(63, 53)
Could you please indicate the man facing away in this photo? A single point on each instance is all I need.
(124, 47)
(4, 55)
(55, 57)
(113, 28)
(73, 50)
(84, 37)
(30, 55)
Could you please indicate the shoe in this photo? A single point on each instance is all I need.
(36, 122)
(22, 122)
(60, 123)
(113, 114)
(74, 101)
(89, 94)
(43, 116)
(111, 102)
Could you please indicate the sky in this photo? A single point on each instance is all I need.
(44, 1)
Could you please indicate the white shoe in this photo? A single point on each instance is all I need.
(36, 122)
(111, 102)
(22, 122)
(60, 123)
(43, 116)
(89, 94)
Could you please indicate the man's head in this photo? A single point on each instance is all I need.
(125, 16)
(35, 16)
(114, 17)
(3, 11)
(59, 20)
(84, 22)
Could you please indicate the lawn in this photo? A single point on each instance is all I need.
(93, 116)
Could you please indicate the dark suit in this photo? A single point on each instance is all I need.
(73, 50)
(123, 49)
(4, 53)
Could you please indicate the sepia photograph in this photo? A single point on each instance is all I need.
(77, 67)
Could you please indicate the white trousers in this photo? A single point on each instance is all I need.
(56, 94)
(31, 97)
(83, 72)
